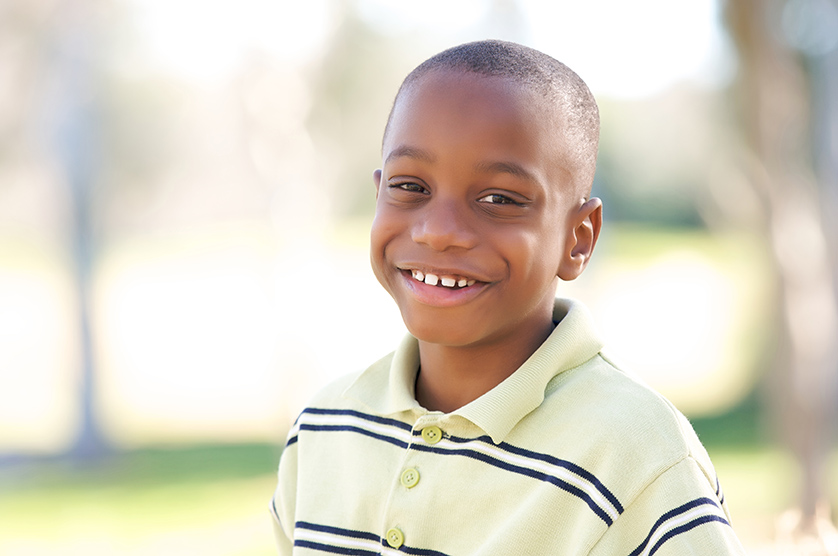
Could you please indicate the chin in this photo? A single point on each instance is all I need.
(440, 333)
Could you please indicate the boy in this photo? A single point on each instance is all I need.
(497, 427)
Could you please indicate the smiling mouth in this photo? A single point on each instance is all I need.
(442, 280)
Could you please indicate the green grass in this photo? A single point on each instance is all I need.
(206, 500)
(212, 501)
(187, 464)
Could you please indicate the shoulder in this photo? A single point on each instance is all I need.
(331, 395)
(612, 424)
(601, 398)
(645, 453)
(364, 394)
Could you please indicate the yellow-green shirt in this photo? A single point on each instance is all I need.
(568, 456)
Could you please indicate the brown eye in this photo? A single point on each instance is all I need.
(498, 199)
(411, 187)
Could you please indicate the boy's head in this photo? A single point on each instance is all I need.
(482, 198)
(555, 85)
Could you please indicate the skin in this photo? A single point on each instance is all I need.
(471, 186)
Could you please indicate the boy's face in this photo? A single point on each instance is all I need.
(471, 194)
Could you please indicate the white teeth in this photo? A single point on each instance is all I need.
(446, 281)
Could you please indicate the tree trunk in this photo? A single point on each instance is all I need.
(774, 92)
(73, 103)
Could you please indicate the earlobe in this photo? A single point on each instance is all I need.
(581, 239)
(376, 178)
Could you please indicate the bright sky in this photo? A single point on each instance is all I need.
(205, 39)
(623, 49)
(633, 48)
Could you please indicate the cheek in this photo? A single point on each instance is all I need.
(377, 243)
(377, 257)
(539, 254)
(383, 231)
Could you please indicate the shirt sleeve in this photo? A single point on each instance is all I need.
(681, 513)
(283, 503)
(283, 543)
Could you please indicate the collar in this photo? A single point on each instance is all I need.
(387, 387)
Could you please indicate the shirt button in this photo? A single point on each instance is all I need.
(395, 538)
(410, 477)
(432, 434)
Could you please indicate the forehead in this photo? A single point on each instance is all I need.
(450, 114)
(473, 96)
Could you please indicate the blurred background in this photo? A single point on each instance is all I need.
(185, 197)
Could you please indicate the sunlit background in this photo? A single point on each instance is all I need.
(185, 197)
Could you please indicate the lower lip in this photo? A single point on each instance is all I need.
(440, 296)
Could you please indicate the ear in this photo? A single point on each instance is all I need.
(376, 177)
(586, 223)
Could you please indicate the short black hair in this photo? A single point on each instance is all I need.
(560, 86)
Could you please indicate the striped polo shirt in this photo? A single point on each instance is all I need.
(568, 456)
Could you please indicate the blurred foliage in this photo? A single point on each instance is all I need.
(142, 468)
(660, 156)
(743, 426)
(133, 111)
(349, 110)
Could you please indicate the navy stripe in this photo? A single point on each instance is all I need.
(419, 551)
(572, 467)
(686, 527)
(337, 531)
(273, 509)
(669, 515)
(292, 440)
(581, 472)
(350, 428)
(586, 475)
(352, 533)
(334, 549)
(523, 471)
(366, 416)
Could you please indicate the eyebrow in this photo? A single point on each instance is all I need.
(406, 151)
(493, 167)
(512, 168)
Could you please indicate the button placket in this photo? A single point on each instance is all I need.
(410, 476)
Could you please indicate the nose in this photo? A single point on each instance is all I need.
(444, 225)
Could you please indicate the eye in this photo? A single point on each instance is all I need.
(410, 187)
(498, 199)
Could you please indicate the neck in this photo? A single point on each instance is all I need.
(453, 376)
